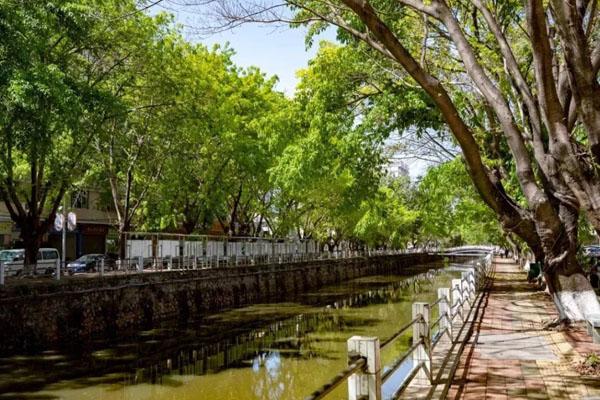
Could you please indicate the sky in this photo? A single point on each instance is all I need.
(275, 49)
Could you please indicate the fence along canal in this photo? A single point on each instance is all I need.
(284, 359)
(365, 376)
(174, 251)
(160, 252)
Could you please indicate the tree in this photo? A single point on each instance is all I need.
(56, 59)
(388, 220)
(168, 99)
(330, 160)
(257, 110)
(534, 93)
(451, 212)
(219, 170)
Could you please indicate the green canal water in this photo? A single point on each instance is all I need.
(280, 351)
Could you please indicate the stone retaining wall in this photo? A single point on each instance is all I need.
(36, 315)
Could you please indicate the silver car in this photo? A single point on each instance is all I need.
(13, 260)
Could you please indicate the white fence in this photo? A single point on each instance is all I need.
(207, 246)
(365, 374)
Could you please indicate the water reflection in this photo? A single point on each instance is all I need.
(272, 351)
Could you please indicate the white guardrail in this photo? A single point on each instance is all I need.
(164, 252)
(365, 374)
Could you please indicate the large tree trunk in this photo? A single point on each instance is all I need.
(571, 291)
(31, 235)
(124, 227)
(572, 294)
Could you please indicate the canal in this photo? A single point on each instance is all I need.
(279, 351)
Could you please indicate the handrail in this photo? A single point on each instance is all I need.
(408, 379)
(432, 344)
(439, 337)
(437, 321)
(425, 356)
(401, 331)
(400, 360)
(438, 301)
(338, 379)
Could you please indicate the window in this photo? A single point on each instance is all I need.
(80, 199)
(50, 254)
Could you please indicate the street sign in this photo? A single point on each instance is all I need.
(58, 222)
(71, 221)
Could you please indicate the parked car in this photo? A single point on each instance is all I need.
(592, 250)
(90, 263)
(7, 256)
(14, 260)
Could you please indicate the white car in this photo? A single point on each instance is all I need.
(13, 260)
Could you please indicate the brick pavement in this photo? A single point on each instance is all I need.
(509, 355)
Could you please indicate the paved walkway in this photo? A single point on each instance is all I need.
(509, 355)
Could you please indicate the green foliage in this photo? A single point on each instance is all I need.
(53, 62)
(592, 360)
(387, 220)
(451, 211)
(330, 172)
(181, 137)
(65, 69)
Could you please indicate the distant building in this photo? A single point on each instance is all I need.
(397, 169)
(95, 226)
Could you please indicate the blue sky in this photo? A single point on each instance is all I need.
(276, 50)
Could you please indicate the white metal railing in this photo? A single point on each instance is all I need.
(201, 252)
(366, 378)
(209, 260)
(141, 264)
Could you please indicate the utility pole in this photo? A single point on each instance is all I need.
(64, 238)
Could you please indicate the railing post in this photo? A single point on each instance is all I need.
(444, 309)
(58, 269)
(466, 286)
(365, 385)
(471, 281)
(478, 275)
(487, 264)
(140, 264)
(1, 273)
(421, 354)
(456, 296)
(102, 267)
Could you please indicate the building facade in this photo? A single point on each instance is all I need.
(93, 234)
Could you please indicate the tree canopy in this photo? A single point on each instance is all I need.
(515, 83)
(180, 139)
